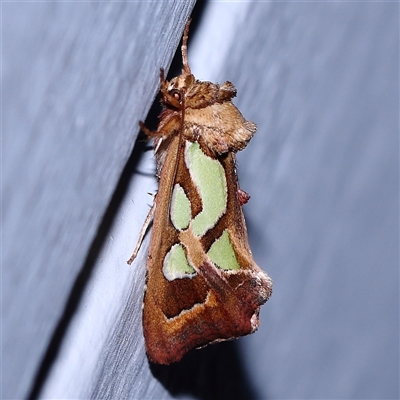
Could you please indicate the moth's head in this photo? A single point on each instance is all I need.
(173, 92)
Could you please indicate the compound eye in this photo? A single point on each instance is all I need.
(176, 95)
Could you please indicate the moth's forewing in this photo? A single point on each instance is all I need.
(210, 304)
(202, 284)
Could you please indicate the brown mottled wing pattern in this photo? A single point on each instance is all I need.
(211, 304)
(186, 313)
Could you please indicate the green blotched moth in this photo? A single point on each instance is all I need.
(202, 284)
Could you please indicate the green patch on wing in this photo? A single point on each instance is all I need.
(176, 265)
(209, 177)
(180, 208)
(222, 254)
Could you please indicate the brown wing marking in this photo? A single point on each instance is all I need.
(213, 305)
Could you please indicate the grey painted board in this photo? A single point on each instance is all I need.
(76, 78)
(321, 80)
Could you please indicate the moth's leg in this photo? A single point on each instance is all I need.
(168, 127)
(186, 68)
(145, 129)
(163, 84)
(143, 231)
(162, 76)
(243, 197)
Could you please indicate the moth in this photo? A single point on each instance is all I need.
(202, 283)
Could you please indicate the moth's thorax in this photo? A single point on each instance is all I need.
(208, 114)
